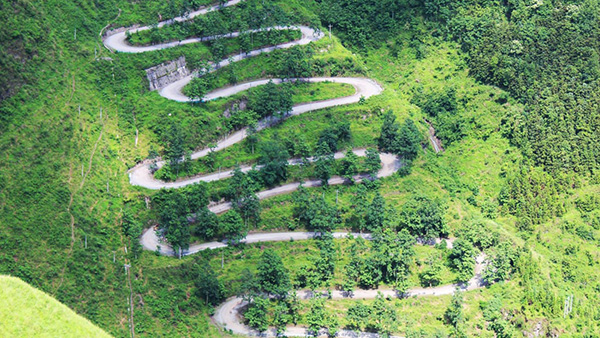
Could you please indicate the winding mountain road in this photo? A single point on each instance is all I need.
(227, 315)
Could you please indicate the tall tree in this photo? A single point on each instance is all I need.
(173, 212)
(242, 194)
(256, 314)
(272, 276)
(233, 227)
(175, 152)
(462, 258)
(324, 161)
(422, 217)
(388, 138)
(376, 213)
(208, 286)
(271, 100)
(409, 141)
(372, 162)
(274, 161)
(350, 166)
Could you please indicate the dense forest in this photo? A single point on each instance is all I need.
(472, 174)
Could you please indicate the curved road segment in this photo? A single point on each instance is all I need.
(227, 315)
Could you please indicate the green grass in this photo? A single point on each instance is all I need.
(28, 312)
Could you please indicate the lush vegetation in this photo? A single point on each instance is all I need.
(510, 89)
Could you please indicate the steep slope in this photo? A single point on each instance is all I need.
(28, 312)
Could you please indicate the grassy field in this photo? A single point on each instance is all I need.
(28, 312)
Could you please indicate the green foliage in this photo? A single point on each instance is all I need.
(318, 318)
(314, 212)
(324, 161)
(376, 214)
(462, 259)
(393, 254)
(274, 159)
(492, 312)
(273, 278)
(533, 196)
(173, 212)
(442, 109)
(208, 286)
(330, 138)
(364, 24)
(390, 133)
(372, 162)
(233, 227)
(349, 165)
(256, 314)
(241, 192)
(502, 263)
(31, 312)
(271, 100)
(197, 88)
(431, 275)
(454, 314)
(422, 217)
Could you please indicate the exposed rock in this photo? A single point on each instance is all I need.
(166, 73)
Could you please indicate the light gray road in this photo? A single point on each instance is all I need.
(140, 174)
(227, 315)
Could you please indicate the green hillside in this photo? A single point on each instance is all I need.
(510, 90)
(28, 312)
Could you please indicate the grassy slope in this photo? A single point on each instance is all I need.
(28, 312)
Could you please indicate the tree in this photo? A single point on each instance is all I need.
(197, 88)
(408, 142)
(393, 255)
(173, 211)
(422, 217)
(233, 227)
(432, 274)
(454, 313)
(217, 49)
(350, 165)
(324, 163)
(207, 224)
(281, 317)
(175, 152)
(272, 276)
(329, 138)
(295, 64)
(271, 100)
(274, 161)
(197, 196)
(208, 287)
(317, 318)
(384, 316)
(242, 194)
(325, 265)
(388, 138)
(372, 162)
(501, 263)
(358, 316)
(251, 136)
(256, 314)
(322, 217)
(357, 219)
(462, 258)
(376, 213)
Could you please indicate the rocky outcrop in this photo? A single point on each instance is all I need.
(166, 73)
